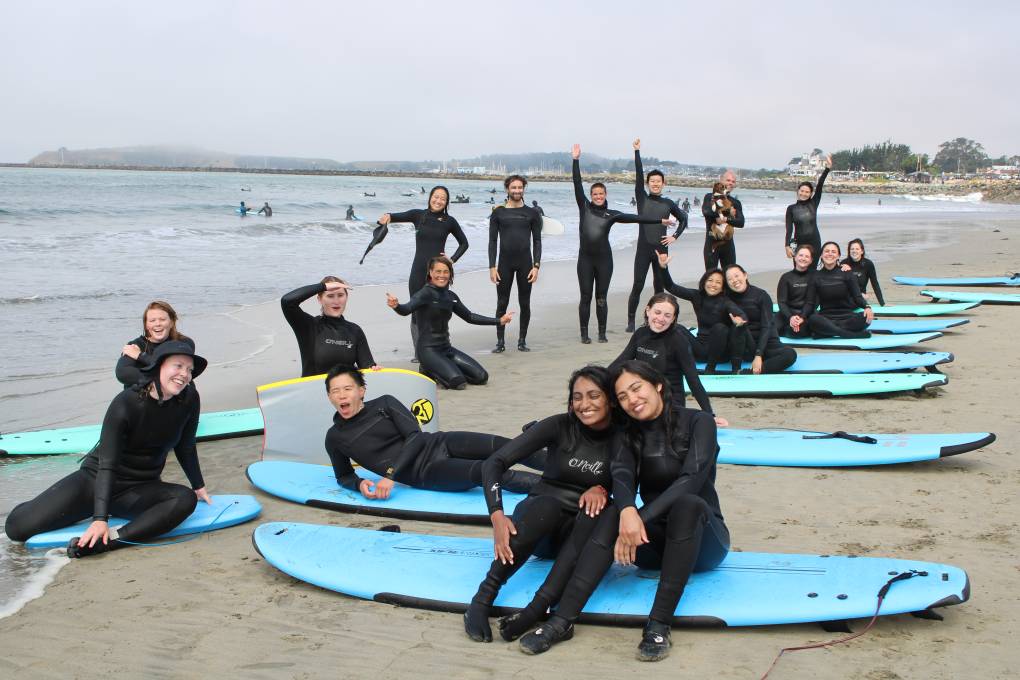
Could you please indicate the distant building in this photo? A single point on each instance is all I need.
(806, 164)
(919, 177)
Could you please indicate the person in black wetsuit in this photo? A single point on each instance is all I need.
(265, 209)
(802, 216)
(726, 254)
(836, 295)
(536, 206)
(513, 229)
(595, 255)
(717, 315)
(159, 324)
(350, 213)
(653, 238)
(560, 510)
(432, 229)
(121, 475)
(328, 339)
(792, 295)
(757, 340)
(383, 436)
(668, 456)
(863, 269)
(665, 346)
(435, 303)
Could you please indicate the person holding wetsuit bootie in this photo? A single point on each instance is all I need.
(802, 216)
(382, 435)
(718, 316)
(835, 293)
(560, 511)
(435, 304)
(863, 269)
(792, 295)
(159, 324)
(514, 228)
(668, 456)
(721, 254)
(653, 238)
(121, 475)
(327, 339)
(432, 229)
(595, 254)
(757, 339)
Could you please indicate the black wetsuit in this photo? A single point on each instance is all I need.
(385, 437)
(726, 254)
(433, 308)
(758, 337)
(267, 210)
(649, 243)
(864, 270)
(837, 297)
(669, 353)
(121, 475)
(324, 341)
(802, 221)
(129, 371)
(716, 334)
(595, 255)
(515, 231)
(549, 518)
(792, 296)
(673, 467)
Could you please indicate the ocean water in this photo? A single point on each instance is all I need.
(83, 251)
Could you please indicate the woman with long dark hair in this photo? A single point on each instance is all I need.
(757, 339)
(862, 268)
(802, 216)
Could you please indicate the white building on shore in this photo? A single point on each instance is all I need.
(806, 164)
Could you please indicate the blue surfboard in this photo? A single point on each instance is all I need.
(226, 511)
(875, 342)
(747, 589)
(902, 326)
(858, 362)
(1013, 280)
(916, 310)
(983, 298)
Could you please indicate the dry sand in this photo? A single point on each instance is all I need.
(213, 607)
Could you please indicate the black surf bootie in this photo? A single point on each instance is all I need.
(630, 324)
(602, 334)
(75, 551)
(522, 346)
(520, 622)
(476, 622)
(500, 347)
(556, 629)
(655, 642)
(585, 338)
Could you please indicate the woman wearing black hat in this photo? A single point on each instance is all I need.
(121, 475)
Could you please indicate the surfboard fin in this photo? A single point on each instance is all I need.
(928, 614)
(840, 626)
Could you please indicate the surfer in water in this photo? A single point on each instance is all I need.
(536, 206)
(383, 436)
(667, 455)
(243, 209)
(265, 209)
(802, 216)
(837, 296)
(327, 339)
(435, 304)
(121, 475)
(756, 340)
(515, 231)
(560, 511)
(159, 324)
(863, 269)
(350, 214)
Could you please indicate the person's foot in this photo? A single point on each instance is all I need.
(522, 346)
(585, 338)
(602, 335)
(517, 624)
(630, 326)
(414, 359)
(74, 550)
(655, 642)
(459, 386)
(476, 623)
(556, 629)
(500, 347)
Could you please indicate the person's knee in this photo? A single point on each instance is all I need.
(16, 527)
(479, 377)
(685, 515)
(608, 528)
(185, 500)
(601, 303)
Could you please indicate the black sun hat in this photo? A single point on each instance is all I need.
(175, 347)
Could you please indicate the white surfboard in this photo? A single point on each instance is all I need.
(551, 227)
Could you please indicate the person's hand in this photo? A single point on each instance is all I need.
(375, 367)
(637, 144)
(385, 219)
(533, 275)
(828, 161)
(575, 151)
(506, 318)
(378, 491)
(98, 530)
(756, 365)
(795, 321)
(593, 500)
(502, 529)
(664, 259)
(844, 267)
(493, 275)
(632, 534)
(336, 285)
(721, 219)
(131, 350)
(721, 422)
(203, 495)
(392, 301)
(789, 253)
(737, 321)
(666, 240)
(869, 314)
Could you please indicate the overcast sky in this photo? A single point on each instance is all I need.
(730, 83)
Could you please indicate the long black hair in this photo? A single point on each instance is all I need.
(632, 431)
(598, 375)
(428, 205)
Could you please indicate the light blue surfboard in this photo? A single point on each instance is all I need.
(903, 326)
(747, 589)
(858, 362)
(916, 310)
(226, 511)
(983, 298)
(817, 384)
(1013, 280)
(215, 425)
(875, 342)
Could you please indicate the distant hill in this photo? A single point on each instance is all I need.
(176, 157)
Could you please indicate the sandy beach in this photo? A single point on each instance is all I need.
(213, 607)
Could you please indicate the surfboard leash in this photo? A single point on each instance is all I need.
(883, 591)
(183, 539)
